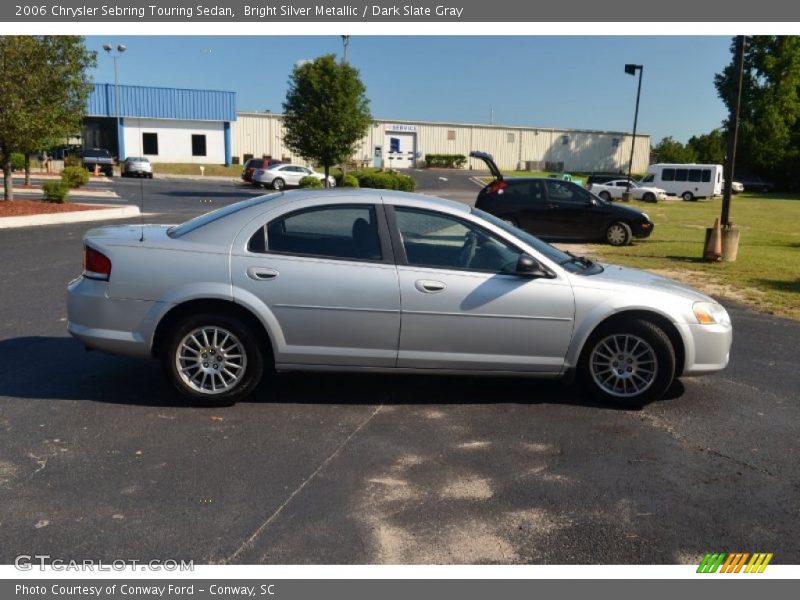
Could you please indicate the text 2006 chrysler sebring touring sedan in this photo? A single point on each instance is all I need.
(382, 281)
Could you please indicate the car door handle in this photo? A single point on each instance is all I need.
(429, 286)
(261, 273)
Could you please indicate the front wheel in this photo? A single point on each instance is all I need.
(278, 184)
(618, 234)
(687, 196)
(213, 360)
(649, 197)
(628, 362)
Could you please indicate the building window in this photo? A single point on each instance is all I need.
(565, 140)
(614, 142)
(150, 144)
(198, 145)
(510, 138)
(451, 135)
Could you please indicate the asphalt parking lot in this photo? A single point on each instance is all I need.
(100, 460)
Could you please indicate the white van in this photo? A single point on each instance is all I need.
(689, 181)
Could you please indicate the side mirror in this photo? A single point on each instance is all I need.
(527, 266)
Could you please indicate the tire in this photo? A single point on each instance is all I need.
(688, 196)
(149, 175)
(648, 363)
(619, 234)
(650, 197)
(511, 221)
(766, 189)
(198, 385)
(278, 184)
(605, 196)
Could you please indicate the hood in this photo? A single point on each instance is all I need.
(625, 210)
(625, 277)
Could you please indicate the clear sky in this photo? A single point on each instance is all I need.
(572, 82)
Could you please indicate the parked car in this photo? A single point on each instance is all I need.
(137, 166)
(602, 178)
(257, 163)
(559, 210)
(754, 183)
(284, 175)
(383, 281)
(100, 157)
(736, 187)
(614, 189)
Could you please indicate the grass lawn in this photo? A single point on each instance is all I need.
(766, 274)
(194, 169)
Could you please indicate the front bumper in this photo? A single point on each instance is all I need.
(709, 350)
(119, 326)
(642, 230)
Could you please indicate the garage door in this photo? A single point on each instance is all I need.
(400, 148)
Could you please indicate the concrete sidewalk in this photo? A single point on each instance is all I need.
(103, 212)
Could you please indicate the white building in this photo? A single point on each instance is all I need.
(404, 144)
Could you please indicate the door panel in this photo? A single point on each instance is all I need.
(461, 309)
(320, 274)
(484, 321)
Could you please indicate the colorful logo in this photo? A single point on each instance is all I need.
(735, 562)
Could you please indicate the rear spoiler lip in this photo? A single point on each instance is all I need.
(489, 160)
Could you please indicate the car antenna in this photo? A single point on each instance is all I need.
(141, 206)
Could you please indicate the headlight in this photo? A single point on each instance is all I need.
(710, 313)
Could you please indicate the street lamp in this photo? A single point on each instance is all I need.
(345, 44)
(120, 49)
(631, 69)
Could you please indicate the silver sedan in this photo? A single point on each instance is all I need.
(360, 280)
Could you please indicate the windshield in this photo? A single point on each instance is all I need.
(649, 178)
(209, 217)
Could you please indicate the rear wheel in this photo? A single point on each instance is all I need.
(687, 196)
(649, 197)
(511, 221)
(618, 234)
(278, 183)
(605, 196)
(628, 362)
(212, 360)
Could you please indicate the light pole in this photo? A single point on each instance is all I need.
(631, 69)
(345, 44)
(120, 49)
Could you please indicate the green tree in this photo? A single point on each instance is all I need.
(669, 150)
(709, 148)
(769, 129)
(43, 90)
(326, 111)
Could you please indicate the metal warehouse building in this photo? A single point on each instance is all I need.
(403, 144)
(163, 124)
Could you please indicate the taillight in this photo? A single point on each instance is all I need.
(96, 265)
(496, 186)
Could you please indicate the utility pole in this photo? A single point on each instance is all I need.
(120, 49)
(631, 70)
(733, 131)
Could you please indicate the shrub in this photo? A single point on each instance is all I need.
(310, 182)
(17, 161)
(385, 181)
(74, 177)
(405, 183)
(55, 191)
(71, 160)
(445, 161)
(349, 180)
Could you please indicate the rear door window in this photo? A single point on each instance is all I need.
(668, 175)
(340, 232)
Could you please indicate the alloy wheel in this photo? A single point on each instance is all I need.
(623, 365)
(210, 360)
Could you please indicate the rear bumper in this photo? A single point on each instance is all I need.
(119, 326)
(710, 349)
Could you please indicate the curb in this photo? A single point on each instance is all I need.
(77, 216)
(230, 178)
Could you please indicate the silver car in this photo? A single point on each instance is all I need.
(281, 175)
(365, 280)
(137, 166)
